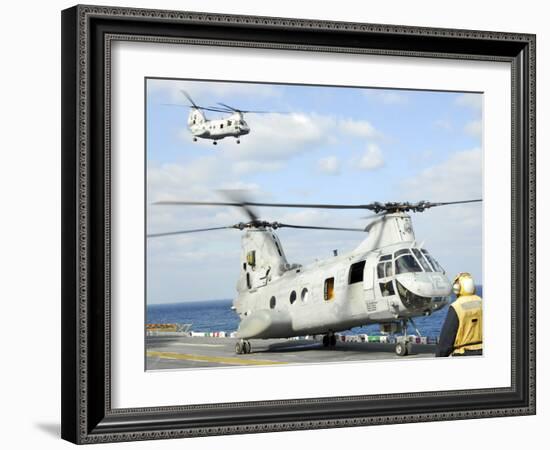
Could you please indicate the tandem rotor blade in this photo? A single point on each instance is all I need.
(188, 97)
(377, 207)
(312, 227)
(246, 111)
(198, 230)
(196, 107)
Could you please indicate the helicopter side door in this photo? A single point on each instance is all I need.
(384, 284)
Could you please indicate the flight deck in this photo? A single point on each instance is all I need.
(190, 352)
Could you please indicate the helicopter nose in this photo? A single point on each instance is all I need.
(417, 290)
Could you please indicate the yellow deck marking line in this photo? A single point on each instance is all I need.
(215, 359)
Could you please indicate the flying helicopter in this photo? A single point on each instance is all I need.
(233, 125)
(388, 279)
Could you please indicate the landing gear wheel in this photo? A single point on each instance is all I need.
(194, 139)
(239, 348)
(238, 141)
(326, 341)
(401, 349)
(409, 348)
(246, 347)
(215, 143)
(333, 340)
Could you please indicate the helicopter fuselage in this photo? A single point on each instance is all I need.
(386, 279)
(232, 126)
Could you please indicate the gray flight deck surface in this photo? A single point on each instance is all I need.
(184, 352)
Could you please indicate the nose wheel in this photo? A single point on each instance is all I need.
(404, 347)
(243, 347)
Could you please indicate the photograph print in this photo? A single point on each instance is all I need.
(295, 224)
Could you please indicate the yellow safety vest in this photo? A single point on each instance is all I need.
(469, 335)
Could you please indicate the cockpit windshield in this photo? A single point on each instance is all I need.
(406, 263)
(422, 260)
(432, 261)
(408, 260)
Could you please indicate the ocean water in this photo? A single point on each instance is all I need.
(216, 315)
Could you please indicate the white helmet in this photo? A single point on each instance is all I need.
(463, 284)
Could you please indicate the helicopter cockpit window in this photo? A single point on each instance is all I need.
(384, 269)
(356, 272)
(406, 263)
(421, 260)
(433, 262)
(403, 251)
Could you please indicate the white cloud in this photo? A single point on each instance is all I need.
(360, 128)
(459, 176)
(473, 128)
(372, 158)
(474, 101)
(444, 124)
(329, 165)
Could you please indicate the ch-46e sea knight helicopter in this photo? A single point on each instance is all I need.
(387, 279)
(233, 125)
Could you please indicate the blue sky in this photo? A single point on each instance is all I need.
(321, 144)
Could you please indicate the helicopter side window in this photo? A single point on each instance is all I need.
(406, 263)
(387, 288)
(272, 302)
(380, 270)
(292, 297)
(228, 123)
(329, 289)
(221, 125)
(389, 269)
(356, 272)
(421, 260)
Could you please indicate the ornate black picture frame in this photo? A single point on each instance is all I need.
(87, 35)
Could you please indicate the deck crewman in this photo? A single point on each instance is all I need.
(461, 334)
